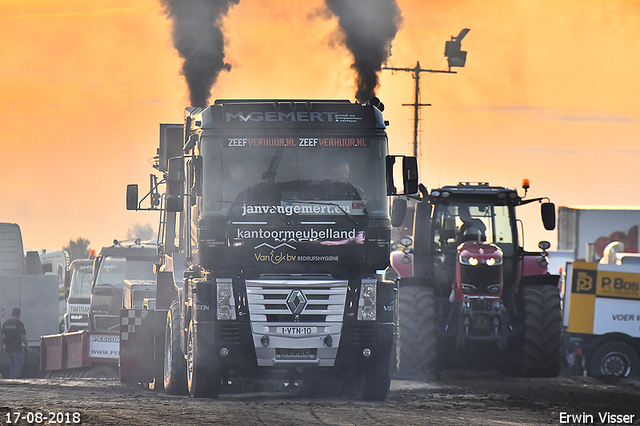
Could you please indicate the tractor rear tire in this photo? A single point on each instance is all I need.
(175, 366)
(416, 343)
(543, 331)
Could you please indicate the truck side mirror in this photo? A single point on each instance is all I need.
(197, 176)
(391, 188)
(548, 213)
(410, 174)
(175, 176)
(398, 211)
(132, 197)
(67, 283)
(174, 203)
(96, 266)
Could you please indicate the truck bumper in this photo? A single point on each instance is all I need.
(238, 346)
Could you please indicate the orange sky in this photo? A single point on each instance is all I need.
(549, 92)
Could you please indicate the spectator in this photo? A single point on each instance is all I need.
(12, 336)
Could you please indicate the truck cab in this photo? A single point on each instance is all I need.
(115, 264)
(78, 295)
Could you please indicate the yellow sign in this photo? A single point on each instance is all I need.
(625, 285)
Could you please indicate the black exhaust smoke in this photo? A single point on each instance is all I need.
(198, 38)
(368, 27)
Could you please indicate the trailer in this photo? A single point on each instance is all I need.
(602, 318)
(92, 354)
(586, 231)
(36, 294)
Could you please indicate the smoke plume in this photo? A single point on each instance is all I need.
(368, 27)
(198, 38)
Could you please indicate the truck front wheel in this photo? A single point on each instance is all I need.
(203, 378)
(615, 358)
(175, 376)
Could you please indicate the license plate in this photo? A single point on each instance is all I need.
(297, 331)
(297, 354)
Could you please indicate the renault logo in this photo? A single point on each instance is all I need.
(296, 302)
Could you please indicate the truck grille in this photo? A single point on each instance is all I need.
(228, 333)
(296, 300)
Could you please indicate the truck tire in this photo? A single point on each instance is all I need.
(543, 331)
(615, 358)
(203, 380)
(416, 343)
(175, 367)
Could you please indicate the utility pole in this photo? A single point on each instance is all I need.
(416, 102)
(455, 58)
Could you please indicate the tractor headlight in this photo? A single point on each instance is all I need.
(468, 260)
(468, 288)
(406, 241)
(494, 289)
(367, 302)
(226, 306)
(494, 261)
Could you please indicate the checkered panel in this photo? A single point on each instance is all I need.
(129, 319)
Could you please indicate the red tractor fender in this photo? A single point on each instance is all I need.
(403, 269)
(530, 265)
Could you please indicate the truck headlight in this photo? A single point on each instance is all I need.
(367, 302)
(226, 306)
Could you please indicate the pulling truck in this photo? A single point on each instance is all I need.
(275, 230)
(474, 298)
(91, 346)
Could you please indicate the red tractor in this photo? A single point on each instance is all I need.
(475, 298)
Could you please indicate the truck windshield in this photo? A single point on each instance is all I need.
(114, 270)
(313, 176)
(80, 286)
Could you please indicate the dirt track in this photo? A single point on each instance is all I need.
(455, 400)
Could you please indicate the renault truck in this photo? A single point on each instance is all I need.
(274, 234)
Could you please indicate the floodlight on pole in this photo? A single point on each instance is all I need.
(452, 50)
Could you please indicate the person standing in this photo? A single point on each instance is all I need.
(12, 336)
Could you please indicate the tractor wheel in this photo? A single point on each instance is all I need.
(175, 375)
(543, 329)
(416, 343)
(203, 379)
(615, 358)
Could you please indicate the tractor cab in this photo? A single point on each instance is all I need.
(453, 216)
